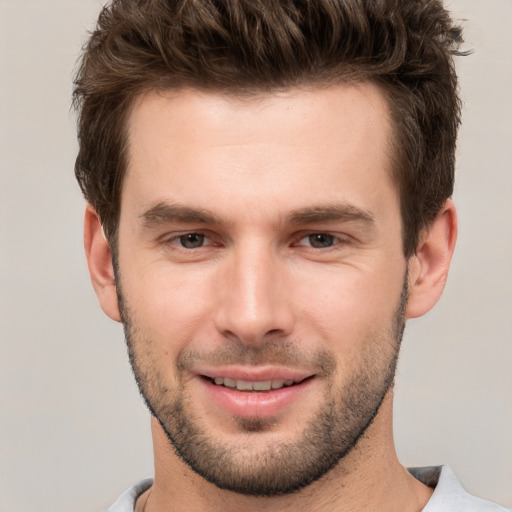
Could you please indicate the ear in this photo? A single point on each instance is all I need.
(428, 268)
(99, 261)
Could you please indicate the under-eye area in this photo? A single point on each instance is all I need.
(260, 386)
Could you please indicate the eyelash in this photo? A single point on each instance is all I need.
(337, 241)
(175, 240)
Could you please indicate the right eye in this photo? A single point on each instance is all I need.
(320, 240)
(191, 240)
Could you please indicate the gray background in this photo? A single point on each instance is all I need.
(73, 431)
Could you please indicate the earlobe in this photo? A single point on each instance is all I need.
(99, 261)
(428, 268)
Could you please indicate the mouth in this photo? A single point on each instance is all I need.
(255, 393)
(256, 385)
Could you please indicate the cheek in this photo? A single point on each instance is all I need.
(348, 305)
(170, 306)
(350, 291)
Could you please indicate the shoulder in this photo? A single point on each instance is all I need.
(449, 495)
(126, 502)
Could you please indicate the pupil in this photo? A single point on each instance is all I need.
(192, 240)
(319, 240)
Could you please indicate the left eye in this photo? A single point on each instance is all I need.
(320, 240)
(191, 240)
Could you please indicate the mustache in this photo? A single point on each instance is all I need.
(281, 353)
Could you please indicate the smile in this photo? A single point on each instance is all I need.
(256, 396)
(246, 385)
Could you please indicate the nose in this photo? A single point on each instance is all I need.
(254, 299)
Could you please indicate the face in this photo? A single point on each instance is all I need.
(260, 277)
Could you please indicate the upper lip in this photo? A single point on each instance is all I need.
(255, 374)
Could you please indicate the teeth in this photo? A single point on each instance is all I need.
(229, 383)
(262, 386)
(245, 385)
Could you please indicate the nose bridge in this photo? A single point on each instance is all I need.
(253, 303)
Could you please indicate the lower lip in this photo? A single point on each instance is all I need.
(255, 404)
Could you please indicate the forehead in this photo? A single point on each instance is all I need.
(339, 109)
(273, 149)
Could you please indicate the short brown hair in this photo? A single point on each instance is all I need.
(258, 46)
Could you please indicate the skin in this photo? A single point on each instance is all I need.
(254, 165)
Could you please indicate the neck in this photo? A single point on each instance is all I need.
(369, 478)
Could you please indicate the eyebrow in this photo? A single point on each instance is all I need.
(331, 213)
(164, 213)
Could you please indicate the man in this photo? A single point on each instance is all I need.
(268, 187)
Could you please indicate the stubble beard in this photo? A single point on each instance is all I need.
(279, 467)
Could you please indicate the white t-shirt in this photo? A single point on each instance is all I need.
(448, 496)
